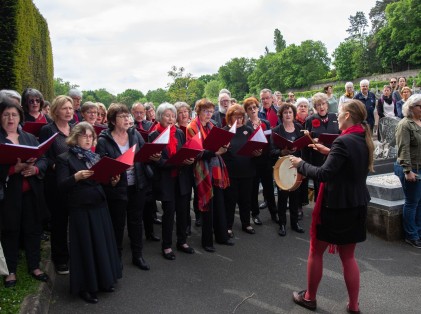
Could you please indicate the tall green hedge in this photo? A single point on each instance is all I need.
(26, 57)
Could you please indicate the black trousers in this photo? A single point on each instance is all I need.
(132, 210)
(59, 221)
(30, 229)
(265, 176)
(214, 221)
(303, 191)
(179, 207)
(239, 192)
(294, 198)
(149, 212)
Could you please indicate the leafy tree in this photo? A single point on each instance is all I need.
(99, 95)
(62, 87)
(184, 86)
(234, 74)
(129, 97)
(212, 89)
(208, 77)
(349, 59)
(278, 41)
(266, 74)
(157, 96)
(358, 25)
(377, 15)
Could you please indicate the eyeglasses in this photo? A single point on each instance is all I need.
(32, 101)
(123, 116)
(138, 113)
(86, 136)
(208, 111)
(92, 112)
(392, 82)
(10, 115)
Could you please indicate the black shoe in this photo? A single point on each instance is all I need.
(300, 214)
(229, 242)
(298, 298)
(263, 205)
(62, 269)
(10, 283)
(414, 243)
(188, 249)
(41, 277)
(157, 221)
(256, 220)
(209, 249)
(231, 234)
(274, 217)
(249, 230)
(88, 297)
(198, 222)
(152, 237)
(169, 256)
(282, 231)
(188, 231)
(45, 237)
(297, 228)
(141, 263)
(109, 289)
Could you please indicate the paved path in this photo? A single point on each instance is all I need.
(257, 275)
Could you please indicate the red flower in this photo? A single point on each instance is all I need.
(315, 123)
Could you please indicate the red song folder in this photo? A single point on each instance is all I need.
(219, 137)
(149, 149)
(11, 152)
(327, 138)
(106, 167)
(33, 127)
(257, 140)
(298, 144)
(190, 149)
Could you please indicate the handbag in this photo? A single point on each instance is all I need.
(3, 265)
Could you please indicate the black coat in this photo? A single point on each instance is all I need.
(12, 204)
(275, 151)
(165, 186)
(344, 172)
(264, 160)
(345, 198)
(85, 194)
(106, 146)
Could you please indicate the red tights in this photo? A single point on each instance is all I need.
(350, 269)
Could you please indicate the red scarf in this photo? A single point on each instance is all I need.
(202, 169)
(300, 119)
(271, 116)
(357, 128)
(172, 145)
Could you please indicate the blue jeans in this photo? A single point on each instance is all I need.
(412, 206)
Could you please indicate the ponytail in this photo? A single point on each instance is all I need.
(370, 145)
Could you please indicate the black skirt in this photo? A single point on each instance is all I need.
(342, 225)
(94, 260)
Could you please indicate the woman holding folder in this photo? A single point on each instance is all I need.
(23, 206)
(290, 130)
(211, 178)
(89, 220)
(125, 193)
(174, 181)
(241, 169)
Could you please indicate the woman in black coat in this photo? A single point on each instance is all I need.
(23, 206)
(241, 170)
(320, 122)
(61, 112)
(125, 193)
(291, 131)
(94, 260)
(174, 183)
(339, 216)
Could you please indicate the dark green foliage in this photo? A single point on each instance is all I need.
(25, 48)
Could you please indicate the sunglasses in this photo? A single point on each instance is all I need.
(32, 101)
(392, 82)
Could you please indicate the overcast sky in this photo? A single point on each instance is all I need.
(133, 43)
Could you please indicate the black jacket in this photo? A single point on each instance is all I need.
(10, 208)
(275, 151)
(106, 146)
(344, 172)
(85, 194)
(165, 183)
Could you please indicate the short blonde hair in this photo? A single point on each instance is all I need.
(59, 102)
